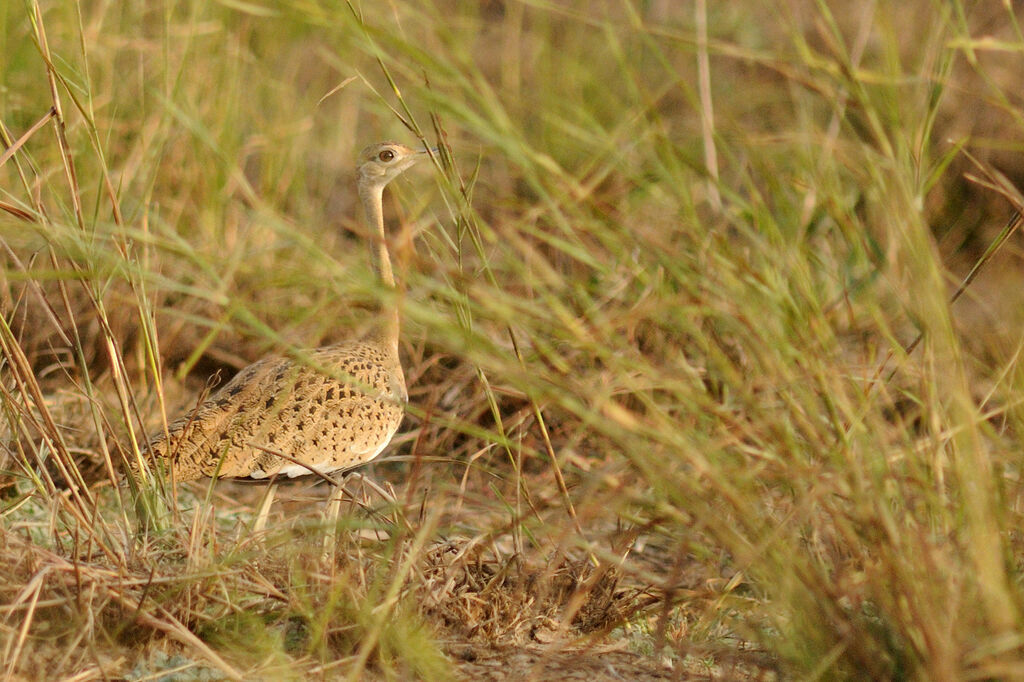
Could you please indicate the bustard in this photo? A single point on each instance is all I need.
(328, 410)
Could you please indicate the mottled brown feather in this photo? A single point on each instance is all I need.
(335, 409)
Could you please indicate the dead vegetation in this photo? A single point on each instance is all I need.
(668, 418)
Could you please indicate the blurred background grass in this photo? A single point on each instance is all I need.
(688, 269)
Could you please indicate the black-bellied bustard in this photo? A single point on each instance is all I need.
(328, 410)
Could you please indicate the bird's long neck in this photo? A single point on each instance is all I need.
(386, 328)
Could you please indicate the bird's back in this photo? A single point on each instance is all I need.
(335, 408)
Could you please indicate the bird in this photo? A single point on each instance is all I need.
(325, 410)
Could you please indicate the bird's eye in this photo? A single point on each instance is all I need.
(386, 155)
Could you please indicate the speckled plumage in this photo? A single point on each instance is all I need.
(328, 409)
(332, 410)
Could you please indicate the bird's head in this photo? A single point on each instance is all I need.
(381, 163)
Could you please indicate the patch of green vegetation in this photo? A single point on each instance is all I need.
(676, 300)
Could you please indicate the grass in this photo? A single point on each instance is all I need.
(660, 297)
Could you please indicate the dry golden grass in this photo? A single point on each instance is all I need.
(669, 414)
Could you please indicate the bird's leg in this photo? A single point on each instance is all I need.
(264, 511)
(332, 512)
